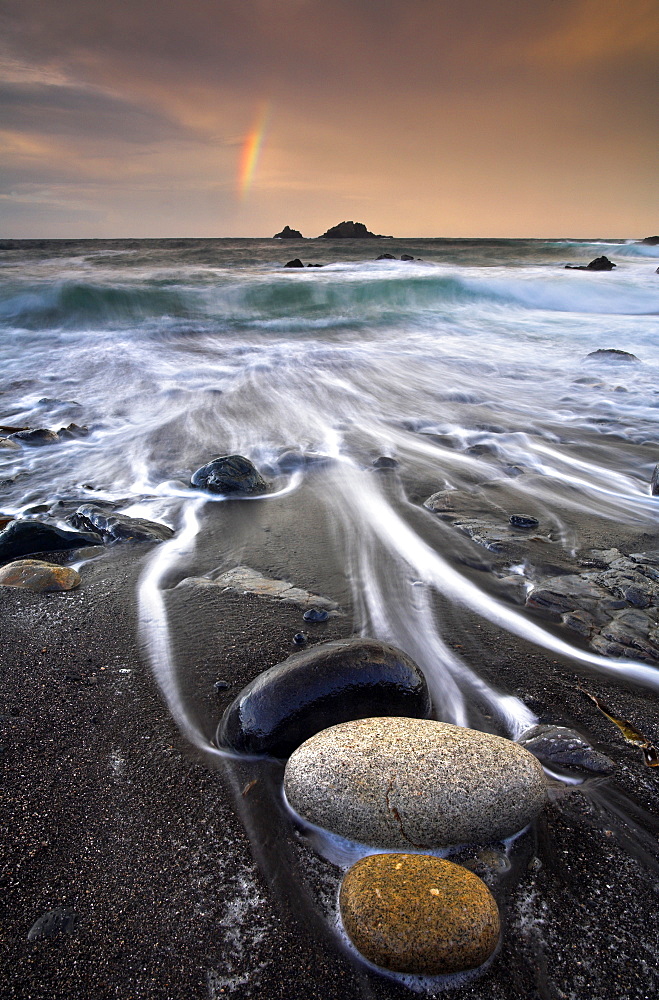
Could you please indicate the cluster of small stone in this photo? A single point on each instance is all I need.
(367, 764)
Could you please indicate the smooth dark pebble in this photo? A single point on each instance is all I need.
(51, 923)
(524, 521)
(221, 685)
(315, 615)
(299, 639)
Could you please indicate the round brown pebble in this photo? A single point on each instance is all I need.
(418, 914)
(33, 574)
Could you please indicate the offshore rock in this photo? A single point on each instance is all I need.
(611, 354)
(330, 683)
(35, 438)
(23, 537)
(229, 474)
(418, 914)
(565, 747)
(414, 783)
(296, 262)
(41, 577)
(599, 264)
(351, 231)
(119, 527)
(288, 234)
(651, 241)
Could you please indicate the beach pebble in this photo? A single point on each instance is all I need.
(565, 747)
(23, 537)
(33, 574)
(229, 474)
(418, 914)
(315, 615)
(119, 527)
(9, 445)
(36, 437)
(385, 462)
(60, 921)
(330, 683)
(523, 521)
(414, 783)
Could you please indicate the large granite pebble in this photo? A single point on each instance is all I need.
(119, 527)
(229, 474)
(33, 574)
(418, 914)
(330, 683)
(23, 537)
(414, 783)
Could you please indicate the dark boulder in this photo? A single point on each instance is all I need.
(25, 537)
(229, 474)
(36, 437)
(611, 354)
(599, 264)
(118, 527)
(331, 683)
(288, 234)
(387, 256)
(651, 241)
(565, 747)
(296, 262)
(654, 482)
(351, 231)
(406, 256)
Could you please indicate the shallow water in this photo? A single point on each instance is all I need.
(468, 367)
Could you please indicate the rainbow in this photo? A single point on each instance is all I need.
(249, 154)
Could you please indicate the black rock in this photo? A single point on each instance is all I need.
(288, 234)
(565, 747)
(315, 265)
(24, 537)
(331, 683)
(524, 521)
(611, 354)
(651, 241)
(387, 256)
(406, 256)
(599, 264)
(351, 231)
(72, 431)
(654, 482)
(300, 639)
(221, 685)
(296, 262)
(53, 922)
(315, 615)
(385, 462)
(35, 438)
(229, 474)
(118, 527)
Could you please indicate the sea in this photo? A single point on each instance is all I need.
(359, 388)
(465, 367)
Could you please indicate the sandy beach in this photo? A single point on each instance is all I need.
(176, 875)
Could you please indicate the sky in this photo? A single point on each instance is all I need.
(229, 118)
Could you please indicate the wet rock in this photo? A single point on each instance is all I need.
(330, 683)
(9, 445)
(119, 527)
(414, 783)
(40, 577)
(71, 432)
(523, 521)
(60, 921)
(300, 639)
(385, 462)
(296, 262)
(288, 234)
(651, 241)
(418, 914)
(36, 437)
(386, 256)
(565, 747)
(654, 482)
(315, 615)
(229, 474)
(579, 621)
(351, 231)
(245, 580)
(291, 460)
(598, 264)
(611, 354)
(406, 256)
(23, 537)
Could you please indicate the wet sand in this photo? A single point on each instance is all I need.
(186, 878)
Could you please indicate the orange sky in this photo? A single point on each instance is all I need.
(417, 117)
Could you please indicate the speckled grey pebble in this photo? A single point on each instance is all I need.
(565, 747)
(414, 783)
